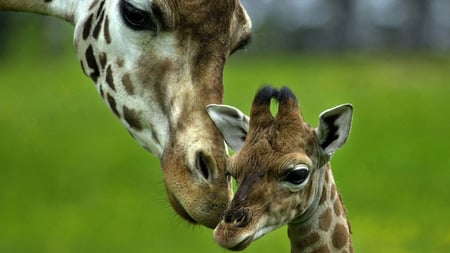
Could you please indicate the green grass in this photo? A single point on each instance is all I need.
(73, 180)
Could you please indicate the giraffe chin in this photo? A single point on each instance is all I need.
(236, 245)
(243, 244)
(180, 209)
(233, 238)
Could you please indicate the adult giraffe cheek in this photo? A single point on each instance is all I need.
(197, 188)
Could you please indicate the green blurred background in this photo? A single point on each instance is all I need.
(72, 179)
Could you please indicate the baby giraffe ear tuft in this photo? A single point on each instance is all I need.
(232, 123)
(334, 127)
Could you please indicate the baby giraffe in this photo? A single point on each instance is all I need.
(283, 173)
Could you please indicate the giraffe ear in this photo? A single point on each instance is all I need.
(232, 123)
(334, 127)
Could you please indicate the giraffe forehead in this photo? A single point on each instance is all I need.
(279, 144)
(198, 11)
(283, 133)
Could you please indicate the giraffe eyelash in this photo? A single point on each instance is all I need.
(296, 178)
(136, 18)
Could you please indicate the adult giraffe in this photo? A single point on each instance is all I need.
(157, 64)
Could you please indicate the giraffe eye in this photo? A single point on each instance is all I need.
(297, 176)
(137, 19)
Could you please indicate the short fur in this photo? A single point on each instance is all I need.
(269, 193)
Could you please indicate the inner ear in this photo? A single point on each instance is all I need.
(231, 122)
(331, 132)
(334, 127)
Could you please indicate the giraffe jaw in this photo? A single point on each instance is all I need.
(179, 209)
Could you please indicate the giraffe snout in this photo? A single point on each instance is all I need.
(239, 217)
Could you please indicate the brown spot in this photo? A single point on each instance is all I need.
(109, 78)
(102, 94)
(307, 241)
(119, 62)
(333, 192)
(322, 249)
(325, 220)
(47, 1)
(132, 118)
(126, 81)
(92, 63)
(82, 68)
(98, 26)
(100, 8)
(106, 31)
(327, 177)
(87, 27)
(323, 198)
(94, 3)
(337, 207)
(340, 236)
(112, 104)
(102, 57)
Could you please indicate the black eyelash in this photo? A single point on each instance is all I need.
(137, 19)
(297, 176)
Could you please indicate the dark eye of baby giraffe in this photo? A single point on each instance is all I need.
(137, 19)
(297, 176)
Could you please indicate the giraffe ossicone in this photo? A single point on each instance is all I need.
(157, 64)
(283, 174)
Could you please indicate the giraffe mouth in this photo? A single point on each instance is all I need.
(243, 244)
(180, 209)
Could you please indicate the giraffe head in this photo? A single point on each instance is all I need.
(157, 64)
(280, 163)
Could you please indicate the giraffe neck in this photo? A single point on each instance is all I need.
(327, 229)
(63, 9)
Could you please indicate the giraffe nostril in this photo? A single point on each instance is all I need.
(203, 165)
(228, 216)
(240, 217)
(243, 219)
